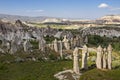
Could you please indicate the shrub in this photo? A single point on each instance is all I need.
(52, 57)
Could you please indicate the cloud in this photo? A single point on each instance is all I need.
(103, 5)
(38, 10)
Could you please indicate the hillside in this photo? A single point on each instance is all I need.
(32, 70)
(12, 18)
(110, 19)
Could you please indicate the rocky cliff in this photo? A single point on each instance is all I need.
(110, 19)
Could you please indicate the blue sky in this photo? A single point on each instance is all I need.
(61, 8)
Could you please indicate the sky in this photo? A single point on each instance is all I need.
(85, 9)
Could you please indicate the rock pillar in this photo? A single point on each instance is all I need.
(109, 60)
(60, 49)
(84, 57)
(55, 45)
(99, 57)
(104, 58)
(76, 61)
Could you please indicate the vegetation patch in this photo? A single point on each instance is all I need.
(96, 74)
(33, 70)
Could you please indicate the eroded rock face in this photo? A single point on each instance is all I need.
(18, 23)
(26, 45)
(104, 58)
(76, 68)
(42, 44)
(67, 75)
(111, 19)
(102, 31)
(99, 57)
(60, 48)
(55, 45)
(6, 27)
(66, 43)
(84, 57)
(109, 57)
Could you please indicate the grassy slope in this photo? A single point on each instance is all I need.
(45, 70)
(32, 70)
(57, 26)
(96, 74)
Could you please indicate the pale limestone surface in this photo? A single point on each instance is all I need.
(66, 43)
(109, 57)
(55, 45)
(60, 49)
(84, 57)
(76, 61)
(104, 58)
(99, 57)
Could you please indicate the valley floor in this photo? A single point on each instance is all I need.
(31, 70)
(96, 74)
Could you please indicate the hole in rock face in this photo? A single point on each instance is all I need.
(0, 42)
